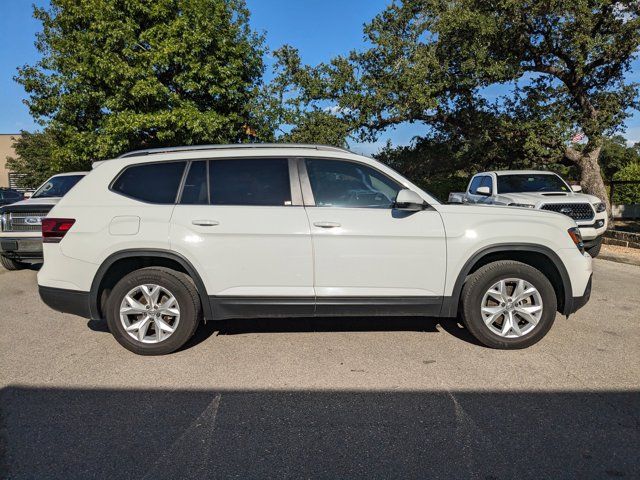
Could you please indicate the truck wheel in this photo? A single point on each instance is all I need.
(508, 305)
(153, 311)
(595, 250)
(11, 264)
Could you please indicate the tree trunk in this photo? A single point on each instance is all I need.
(590, 175)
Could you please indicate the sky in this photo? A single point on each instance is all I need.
(313, 26)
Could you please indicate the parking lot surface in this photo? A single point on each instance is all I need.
(322, 398)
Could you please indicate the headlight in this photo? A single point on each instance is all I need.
(600, 207)
(525, 205)
(576, 236)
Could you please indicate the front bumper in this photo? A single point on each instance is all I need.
(22, 248)
(576, 303)
(595, 228)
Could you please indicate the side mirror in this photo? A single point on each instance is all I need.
(28, 194)
(486, 191)
(576, 188)
(409, 200)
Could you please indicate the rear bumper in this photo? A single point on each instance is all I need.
(576, 303)
(74, 302)
(22, 248)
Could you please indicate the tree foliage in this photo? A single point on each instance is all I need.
(430, 61)
(33, 158)
(118, 75)
(628, 194)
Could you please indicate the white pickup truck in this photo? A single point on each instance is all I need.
(540, 190)
(21, 222)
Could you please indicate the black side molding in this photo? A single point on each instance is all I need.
(74, 302)
(576, 303)
(450, 304)
(274, 307)
(97, 280)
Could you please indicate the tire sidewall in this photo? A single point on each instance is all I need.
(188, 312)
(473, 301)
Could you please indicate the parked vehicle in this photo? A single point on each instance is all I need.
(21, 228)
(158, 240)
(9, 195)
(540, 190)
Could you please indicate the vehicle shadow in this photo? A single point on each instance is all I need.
(323, 324)
(157, 434)
(332, 324)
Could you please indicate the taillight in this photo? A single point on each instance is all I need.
(54, 229)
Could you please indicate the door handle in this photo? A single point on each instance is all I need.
(205, 223)
(326, 224)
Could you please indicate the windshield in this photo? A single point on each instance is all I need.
(531, 183)
(57, 186)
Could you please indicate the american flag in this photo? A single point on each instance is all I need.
(577, 137)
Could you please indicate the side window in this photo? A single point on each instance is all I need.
(195, 191)
(151, 182)
(486, 182)
(337, 183)
(475, 183)
(263, 182)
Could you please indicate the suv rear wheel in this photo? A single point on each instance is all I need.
(153, 311)
(508, 305)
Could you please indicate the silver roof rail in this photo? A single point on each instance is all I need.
(194, 148)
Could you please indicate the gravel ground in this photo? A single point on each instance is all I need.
(329, 398)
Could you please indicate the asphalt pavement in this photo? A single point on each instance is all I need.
(322, 398)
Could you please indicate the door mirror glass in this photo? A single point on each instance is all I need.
(486, 191)
(28, 194)
(409, 200)
(576, 188)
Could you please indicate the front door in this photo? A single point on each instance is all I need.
(366, 253)
(242, 224)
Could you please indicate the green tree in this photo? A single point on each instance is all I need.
(429, 62)
(117, 75)
(616, 155)
(628, 193)
(33, 158)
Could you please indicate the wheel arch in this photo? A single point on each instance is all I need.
(538, 256)
(120, 263)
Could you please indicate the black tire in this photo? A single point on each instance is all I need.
(185, 293)
(481, 281)
(595, 250)
(11, 264)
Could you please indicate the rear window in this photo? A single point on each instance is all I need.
(57, 186)
(250, 182)
(151, 182)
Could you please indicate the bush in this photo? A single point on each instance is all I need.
(627, 193)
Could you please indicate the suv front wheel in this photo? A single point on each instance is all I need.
(508, 305)
(153, 311)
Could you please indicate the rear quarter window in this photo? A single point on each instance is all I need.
(150, 182)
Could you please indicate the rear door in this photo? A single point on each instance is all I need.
(366, 253)
(241, 222)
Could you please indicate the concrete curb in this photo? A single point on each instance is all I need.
(612, 257)
(622, 239)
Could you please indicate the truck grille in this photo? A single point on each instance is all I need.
(22, 221)
(577, 211)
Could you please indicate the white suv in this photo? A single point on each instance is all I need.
(157, 241)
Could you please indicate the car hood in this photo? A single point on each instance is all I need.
(502, 211)
(538, 198)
